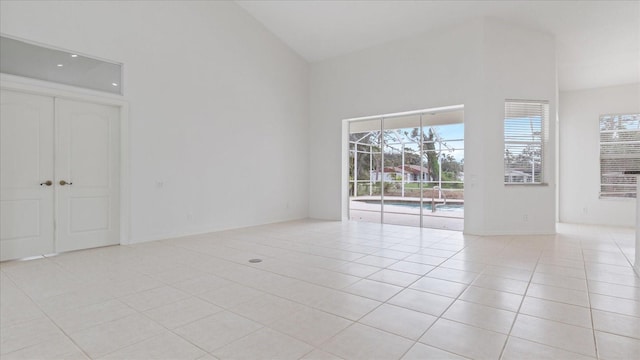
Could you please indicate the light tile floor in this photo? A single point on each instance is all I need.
(330, 290)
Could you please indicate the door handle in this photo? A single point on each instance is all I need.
(63, 183)
(48, 183)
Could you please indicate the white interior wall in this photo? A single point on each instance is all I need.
(430, 70)
(518, 64)
(479, 64)
(579, 115)
(218, 107)
(217, 101)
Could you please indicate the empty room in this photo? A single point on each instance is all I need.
(319, 179)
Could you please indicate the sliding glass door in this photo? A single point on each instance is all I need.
(402, 204)
(365, 170)
(408, 170)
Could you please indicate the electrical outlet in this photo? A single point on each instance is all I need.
(525, 217)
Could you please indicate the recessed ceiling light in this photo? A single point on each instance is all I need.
(60, 65)
(74, 55)
(114, 84)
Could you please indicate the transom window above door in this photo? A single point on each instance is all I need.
(22, 58)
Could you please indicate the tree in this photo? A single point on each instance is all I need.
(429, 152)
(451, 165)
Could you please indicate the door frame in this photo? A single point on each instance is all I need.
(45, 88)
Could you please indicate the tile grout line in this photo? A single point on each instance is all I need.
(114, 298)
(48, 317)
(635, 271)
(375, 308)
(162, 325)
(593, 327)
(443, 312)
(440, 316)
(524, 296)
(386, 302)
(278, 296)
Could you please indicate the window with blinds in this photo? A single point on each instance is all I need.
(525, 134)
(619, 152)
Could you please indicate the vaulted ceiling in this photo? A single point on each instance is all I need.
(598, 42)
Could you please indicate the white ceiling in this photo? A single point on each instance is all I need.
(598, 41)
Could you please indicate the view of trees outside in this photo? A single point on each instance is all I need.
(440, 162)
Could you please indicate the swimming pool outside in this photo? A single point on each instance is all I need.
(406, 212)
(426, 205)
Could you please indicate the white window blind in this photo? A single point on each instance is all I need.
(619, 151)
(525, 134)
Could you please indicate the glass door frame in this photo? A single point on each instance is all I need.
(382, 144)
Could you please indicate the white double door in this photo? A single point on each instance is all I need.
(59, 175)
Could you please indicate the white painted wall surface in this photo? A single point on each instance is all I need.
(212, 94)
(579, 114)
(518, 64)
(479, 64)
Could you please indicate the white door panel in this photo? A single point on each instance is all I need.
(26, 161)
(87, 158)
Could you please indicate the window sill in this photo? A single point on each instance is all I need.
(526, 184)
(616, 198)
